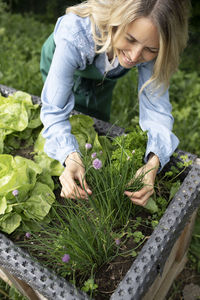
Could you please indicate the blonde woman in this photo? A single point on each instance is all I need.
(93, 45)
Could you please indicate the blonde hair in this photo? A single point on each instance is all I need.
(109, 19)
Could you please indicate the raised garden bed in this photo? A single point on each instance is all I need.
(165, 249)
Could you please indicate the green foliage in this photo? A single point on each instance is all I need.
(19, 117)
(21, 42)
(49, 165)
(130, 146)
(9, 292)
(125, 103)
(92, 232)
(185, 98)
(34, 198)
(89, 285)
(195, 244)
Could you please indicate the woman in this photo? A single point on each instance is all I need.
(93, 45)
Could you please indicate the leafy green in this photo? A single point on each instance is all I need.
(34, 198)
(151, 206)
(130, 146)
(82, 128)
(40, 202)
(18, 116)
(48, 164)
(9, 222)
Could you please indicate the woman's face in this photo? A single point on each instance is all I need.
(139, 43)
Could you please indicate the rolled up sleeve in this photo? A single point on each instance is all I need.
(155, 117)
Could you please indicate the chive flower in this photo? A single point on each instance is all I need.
(117, 242)
(93, 155)
(66, 258)
(88, 146)
(27, 235)
(15, 193)
(97, 164)
(133, 151)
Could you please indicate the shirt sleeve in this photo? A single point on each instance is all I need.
(58, 102)
(74, 49)
(155, 117)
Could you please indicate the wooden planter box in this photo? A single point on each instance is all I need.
(161, 259)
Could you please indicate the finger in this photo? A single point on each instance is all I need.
(76, 192)
(141, 193)
(142, 201)
(84, 184)
(71, 190)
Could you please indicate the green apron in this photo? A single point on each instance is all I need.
(92, 91)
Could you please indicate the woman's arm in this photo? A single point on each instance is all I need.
(156, 119)
(58, 102)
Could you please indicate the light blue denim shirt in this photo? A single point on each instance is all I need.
(74, 50)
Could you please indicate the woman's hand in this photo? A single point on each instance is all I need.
(74, 170)
(150, 170)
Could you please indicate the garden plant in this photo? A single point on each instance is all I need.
(81, 239)
(77, 238)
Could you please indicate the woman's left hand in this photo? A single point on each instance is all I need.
(150, 170)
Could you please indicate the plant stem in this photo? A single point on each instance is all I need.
(4, 293)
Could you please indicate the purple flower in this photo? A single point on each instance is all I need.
(117, 242)
(93, 155)
(66, 258)
(28, 235)
(97, 164)
(88, 146)
(15, 193)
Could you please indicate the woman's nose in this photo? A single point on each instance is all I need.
(135, 53)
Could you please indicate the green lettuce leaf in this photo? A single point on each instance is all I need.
(9, 222)
(3, 205)
(39, 204)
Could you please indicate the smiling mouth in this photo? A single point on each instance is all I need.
(128, 60)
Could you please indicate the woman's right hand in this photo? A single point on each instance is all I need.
(74, 171)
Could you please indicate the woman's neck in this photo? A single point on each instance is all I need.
(110, 55)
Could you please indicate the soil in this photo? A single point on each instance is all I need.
(109, 276)
(185, 287)
(25, 152)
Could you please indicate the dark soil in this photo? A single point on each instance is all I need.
(25, 152)
(109, 276)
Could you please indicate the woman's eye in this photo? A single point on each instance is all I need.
(150, 50)
(130, 40)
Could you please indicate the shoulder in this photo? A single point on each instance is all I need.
(146, 66)
(76, 31)
(72, 25)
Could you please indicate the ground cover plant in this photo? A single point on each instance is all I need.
(78, 238)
